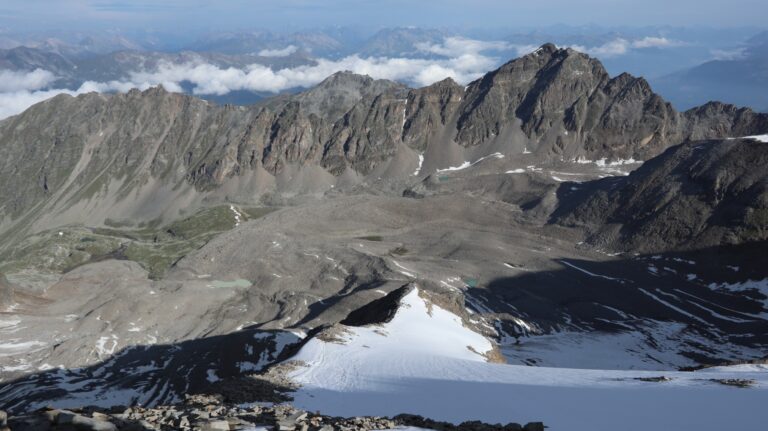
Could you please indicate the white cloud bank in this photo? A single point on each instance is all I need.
(285, 52)
(461, 59)
(208, 79)
(12, 103)
(458, 46)
(621, 46)
(729, 55)
(464, 61)
(11, 80)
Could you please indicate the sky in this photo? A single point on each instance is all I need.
(291, 14)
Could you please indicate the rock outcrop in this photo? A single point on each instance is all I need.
(695, 195)
(6, 293)
(210, 413)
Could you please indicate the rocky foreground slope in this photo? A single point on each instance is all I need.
(209, 413)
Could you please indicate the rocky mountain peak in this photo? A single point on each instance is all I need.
(337, 94)
(548, 48)
(445, 83)
(344, 78)
(547, 57)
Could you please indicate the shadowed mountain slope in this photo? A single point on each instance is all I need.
(695, 195)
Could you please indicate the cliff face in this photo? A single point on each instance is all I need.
(568, 106)
(162, 149)
(6, 293)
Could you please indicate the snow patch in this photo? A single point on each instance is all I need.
(238, 215)
(432, 372)
(609, 167)
(16, 346)
(405, 271)
(591, 274)
(211, 376)
(760, 138)
(758, 285)
(468, 164)
(421, 163)
(106, 345)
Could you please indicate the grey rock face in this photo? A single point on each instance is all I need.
(6, 292)
(720, 119)
(25, 58)
(570, 107)
(428, 110)
(337, 94)
(695, 195)
(155, 147)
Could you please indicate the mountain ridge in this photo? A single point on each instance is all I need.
(557, 104)
(694, 195)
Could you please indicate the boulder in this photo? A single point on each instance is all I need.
(534, 426)
(91, 424)
(63, 417)
(216, 426)
(29, 423)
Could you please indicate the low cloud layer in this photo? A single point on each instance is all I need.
(208, 79)
(459, 58)
(284, 52)
(621, 46)
(458, 46)
(12, 103)
(12, 81)
(15, 102)
(463, 60)
(729, 55)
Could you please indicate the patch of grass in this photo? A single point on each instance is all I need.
(56, 252)
(158, 258)
(155, 249)
(116, 223)
(217, 219)
(371, 238)
(253, 213)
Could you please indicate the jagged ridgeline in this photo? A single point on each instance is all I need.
(141, 157)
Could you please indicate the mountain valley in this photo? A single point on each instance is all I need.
(547, 237)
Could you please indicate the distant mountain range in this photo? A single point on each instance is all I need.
(741, 77)
(674, 61)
